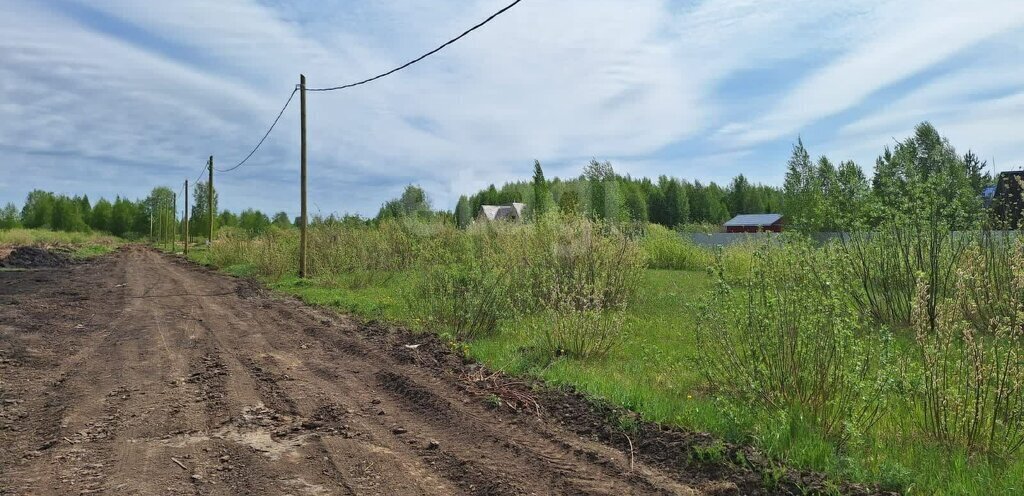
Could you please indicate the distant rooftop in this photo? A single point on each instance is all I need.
(753, 220)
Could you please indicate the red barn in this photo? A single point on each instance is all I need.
(752, 223)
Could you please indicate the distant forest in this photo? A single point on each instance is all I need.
(153, 215)
(817, 195)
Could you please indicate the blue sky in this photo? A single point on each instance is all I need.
(110, 97)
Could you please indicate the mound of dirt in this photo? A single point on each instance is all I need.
(29, 257)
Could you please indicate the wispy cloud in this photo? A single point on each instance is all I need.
(120, 96)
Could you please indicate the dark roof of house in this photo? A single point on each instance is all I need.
(753, 220)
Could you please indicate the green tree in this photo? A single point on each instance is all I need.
(924, 178)
(227, 218)
(281, 220)
(253, 221)
(122, 214)
(199, 223)
(160, 205)
(741, 196)
(9, 216)
(463, 213)
(542, 198)
(635, 203)
(412, 203)
(101, 213)
(852, 196)
(66, 215)
(38, 209)
(802, 190)
(569, 202)
(597, 175)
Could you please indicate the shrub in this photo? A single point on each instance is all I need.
(583, 275)
(666, 249)
(466, 299)
(737, 260)
(972, 378)
(581, 333)
(272, 254)
(230, 248)
(364, 254)
(887, 263)
(572, 261)
(790, 341)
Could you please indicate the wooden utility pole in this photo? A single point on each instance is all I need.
(186, 217)
(174, 222)
(302, 214)
(209, 199)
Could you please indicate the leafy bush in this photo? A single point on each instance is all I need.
(972, 379)
(581, 333)
(467, 299)
(572, 261)
(584, 275)
(667, 249)
(789, 340)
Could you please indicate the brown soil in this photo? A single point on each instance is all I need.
(140, 373)
(25, 257)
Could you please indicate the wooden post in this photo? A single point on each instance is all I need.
(186, 218)
(174, 222)
(302, 214)
(209, 199)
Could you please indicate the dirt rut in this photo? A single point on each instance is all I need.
(142, 374)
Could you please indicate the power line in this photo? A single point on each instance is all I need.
(201, 172)
(264, 138)
(421, 57)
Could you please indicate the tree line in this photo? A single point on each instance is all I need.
(600, 193)
(920, 176)
(921, 172)
(153, 216)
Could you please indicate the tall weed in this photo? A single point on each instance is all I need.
(664, 248)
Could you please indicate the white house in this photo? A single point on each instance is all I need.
(512, 212)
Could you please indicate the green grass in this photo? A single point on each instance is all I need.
(46, 237)
(86, 252)
(651, 372)
(82, 246)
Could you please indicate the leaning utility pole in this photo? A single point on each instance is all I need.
(209, 199)
(302, 214)
(186, 218)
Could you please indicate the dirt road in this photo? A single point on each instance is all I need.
(139, 373)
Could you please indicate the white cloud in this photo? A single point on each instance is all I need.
(86, 103)
(907, 38)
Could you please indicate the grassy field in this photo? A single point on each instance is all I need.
(654, 370)
(81, 245)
